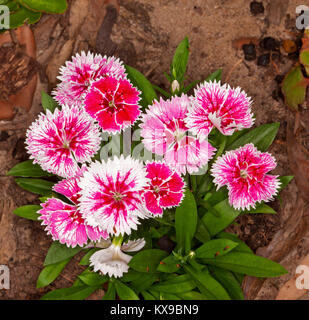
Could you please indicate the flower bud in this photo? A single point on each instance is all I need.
(175, 86)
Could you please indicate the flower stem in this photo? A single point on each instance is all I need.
(117, 241)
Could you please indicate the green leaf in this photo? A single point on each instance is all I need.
(147, 295)
(28, 212)
(59, 252)
(71, 293)
(229, 282)
(169, 265)
(215, 247)
(48, 103)
(294, 87)
(139, 80)
(175, 285)
(110, 294)
(247, 263)
(262, 137)
(215, 76)
(215, 224)
(27, 169)
(143, 282)
(236, 135)
(168, 296)
(180, 60)
(192, 295)
(261, 208)
(202, 233)
(124, 292)
(190, 86)
(85, 259)
(50, 273)
(208, 286)
(47, 6)
(147, 260)
(186, 221)
(285, 180)
(37, 186)
(22, 15)
(242, 247)
(92, 278)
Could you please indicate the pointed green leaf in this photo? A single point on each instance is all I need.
(147, 260)
(28, 212)
(186, 221)
(169, 265)
(262, 137)
(22, 15)
(50, 273)
(27, 169)
(180, 60)
(85, 259)
(47, 6)
(124, 292)
(215, 247)
(175, 285)
(71, 293)
(148, 94)
(48, 103)
(208, 286)
(285, 180)
(229, 282)
(110, 294)
(227, 215)
(59, 252)
(247, 263)
(91, 278)
(37, 186)
(215, 76)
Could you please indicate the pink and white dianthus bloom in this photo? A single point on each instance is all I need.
(165, 188)
(245, 173)
(113, 103)
(59, 141)
(113, 261)
(220, 106)
(111, 195)
(165, 133)
(63, 220)
(77, 75)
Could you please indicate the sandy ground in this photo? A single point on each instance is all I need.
(145, 34)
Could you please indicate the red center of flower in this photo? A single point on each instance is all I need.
(113, 101)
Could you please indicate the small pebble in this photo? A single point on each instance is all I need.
(269, 43)
(256, 8)
(263, 60)
(249, 51)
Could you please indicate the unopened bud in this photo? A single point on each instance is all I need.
(175, 86)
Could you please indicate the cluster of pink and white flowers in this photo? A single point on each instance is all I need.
(107, 199)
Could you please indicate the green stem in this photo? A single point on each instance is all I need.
(193, 183)
(117, 241)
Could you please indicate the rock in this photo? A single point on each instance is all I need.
(249, 51)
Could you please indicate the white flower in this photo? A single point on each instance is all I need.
(113, 261)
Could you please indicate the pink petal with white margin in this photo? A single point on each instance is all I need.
(220, 106)
(64, 222)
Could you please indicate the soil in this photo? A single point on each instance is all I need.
(144, 34)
